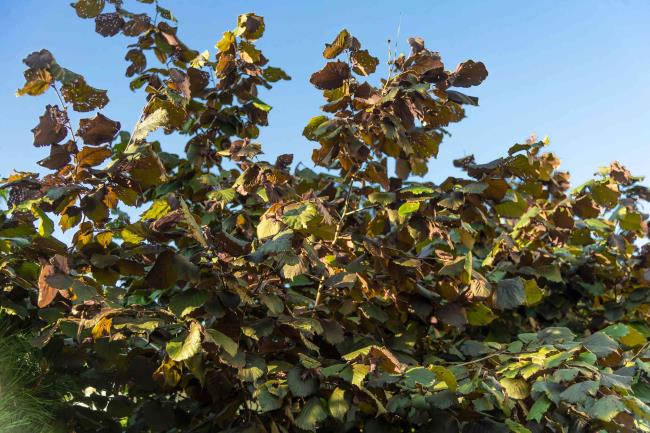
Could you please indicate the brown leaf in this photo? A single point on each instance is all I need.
(284, 161)
(428, 63)
(98, 130)
(385, 359)
(51, 127)
(199, 80)
(92, 156)
(469, 73)
(250, 26)
(180, 82)
(59, 157)
(138, 62)
(620, 174)
(169, 34)
(42, 59)
(417, 45)
(331, 76)
(452, 314)
(46, 293)
(108, 24)
(137, 25)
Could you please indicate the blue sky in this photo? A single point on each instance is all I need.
(576, 71)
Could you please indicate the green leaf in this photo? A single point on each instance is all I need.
(538, 409)
(225, 195)
(443, 374)
(408, 208)
(512, 209)
(261, 105)
(337, 404)
(273, 303)
(312, 125)
(45, 224)
(226, 343)
(88, 8)
(578, 392)
(606, 408)
(517, 389)
(510, 294)
(480, 315)
(600, 344)
(417, 190)
(515, 427)
(384, 198)
(299, 215)
(158, 209)
(419, 375)
(533, 293)
(182, 349)
(312, 413)
(301, 382)
(254, 369)
(184, 303)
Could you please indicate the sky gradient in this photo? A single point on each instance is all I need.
(575, 71)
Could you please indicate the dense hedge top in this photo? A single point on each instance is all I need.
(250, 298)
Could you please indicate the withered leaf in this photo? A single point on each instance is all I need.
(109, 24)
(59, 157)
(92, 156)
(340, 43)
(452, 314)
(469, 73)
(417, 45)
(137, 25)
(51, 128)
(37, 81)
(250, 26)
(138, 62)
(363, 63)
(284, 161)
(332, 76)
(46, 293)
(199, 80)
(42, 59)
(98, 130)
(84, 97)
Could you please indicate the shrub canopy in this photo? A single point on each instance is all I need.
(249, 297)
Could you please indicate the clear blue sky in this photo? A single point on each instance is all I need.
(576, 71)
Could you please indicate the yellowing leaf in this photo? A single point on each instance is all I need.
(102, 327)
(226, 41)
(180, 349)
(337, 404)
